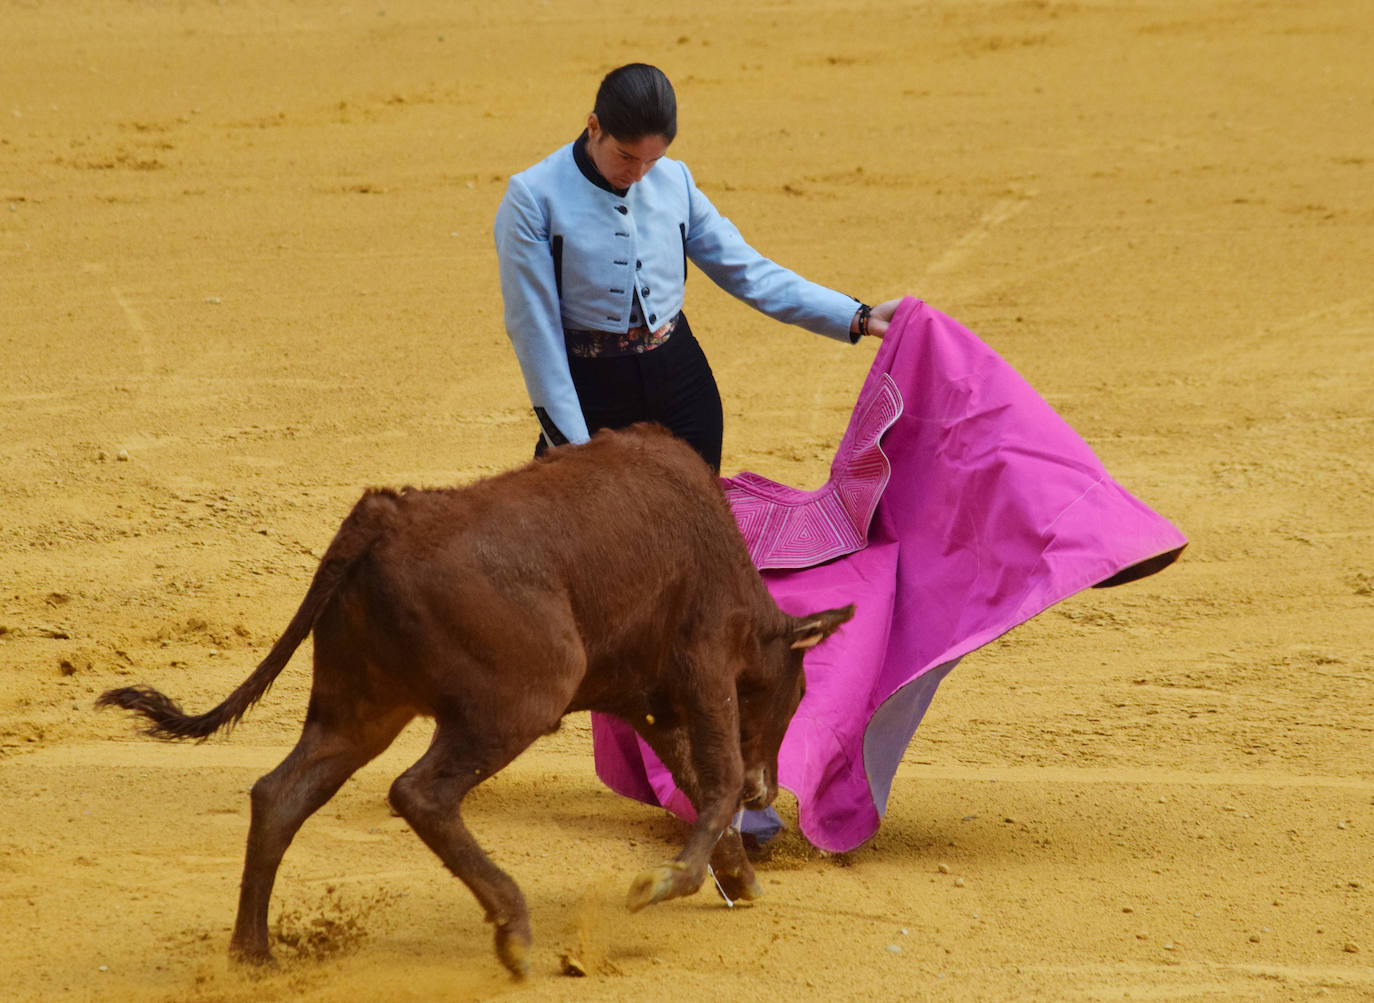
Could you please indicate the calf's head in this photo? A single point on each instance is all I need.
(769, 693)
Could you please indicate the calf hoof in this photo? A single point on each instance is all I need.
(657, 884)
(739, 889)
(514, 952)
(251, 957)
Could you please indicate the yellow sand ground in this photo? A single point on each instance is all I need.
(246, 271)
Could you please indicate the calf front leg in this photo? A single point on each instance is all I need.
(734, 873)
(705, 761)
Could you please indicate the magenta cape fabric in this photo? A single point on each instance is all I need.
(959, 505)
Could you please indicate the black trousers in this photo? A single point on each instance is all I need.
(672, 385)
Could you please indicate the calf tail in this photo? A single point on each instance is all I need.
(355, 538)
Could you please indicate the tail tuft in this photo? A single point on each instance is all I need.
(167, 717)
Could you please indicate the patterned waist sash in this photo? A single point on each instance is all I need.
(606, 344)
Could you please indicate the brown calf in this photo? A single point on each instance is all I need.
(609, 577)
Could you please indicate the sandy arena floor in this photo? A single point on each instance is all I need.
(246, 270)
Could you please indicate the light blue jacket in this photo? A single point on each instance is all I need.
(574, 254)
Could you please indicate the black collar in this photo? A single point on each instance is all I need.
(588, 169)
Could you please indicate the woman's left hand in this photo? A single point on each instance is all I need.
(882, 316)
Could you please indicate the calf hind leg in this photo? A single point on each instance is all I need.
(324, 757)
(429, 795)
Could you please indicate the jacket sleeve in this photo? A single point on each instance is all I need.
(534, 323)
(715, 245)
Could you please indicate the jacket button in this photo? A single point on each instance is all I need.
(623, 210)
(653, 318)
(644, 290)
(638, 265)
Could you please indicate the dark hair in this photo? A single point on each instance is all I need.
(637, 100)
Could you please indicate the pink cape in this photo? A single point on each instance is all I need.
(959, 505)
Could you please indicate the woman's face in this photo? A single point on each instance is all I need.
(622, 162)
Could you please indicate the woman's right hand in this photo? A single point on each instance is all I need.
(881, 317)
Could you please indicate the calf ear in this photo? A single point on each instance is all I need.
(809, 631)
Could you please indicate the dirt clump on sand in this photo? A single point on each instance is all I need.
(248, 272)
